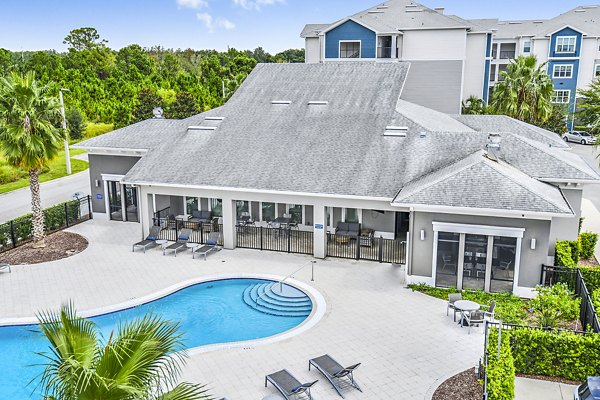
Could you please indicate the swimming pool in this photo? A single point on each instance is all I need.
(220, 311)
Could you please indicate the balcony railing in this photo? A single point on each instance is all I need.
(507, 54)
(384, 52)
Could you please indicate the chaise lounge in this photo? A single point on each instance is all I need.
(289, 386)
(210, 246)
(181, 243)
(150, 240)
(350, 229)
(339, 377)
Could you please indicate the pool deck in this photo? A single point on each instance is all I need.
(404, 340)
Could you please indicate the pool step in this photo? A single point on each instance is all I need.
(284, 301)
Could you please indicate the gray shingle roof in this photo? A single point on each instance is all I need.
(313, 30)
(478, 182)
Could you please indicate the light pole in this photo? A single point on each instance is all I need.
(64, 126)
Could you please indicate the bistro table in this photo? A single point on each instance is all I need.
(193, 247)
(465, 306)
(162, 243)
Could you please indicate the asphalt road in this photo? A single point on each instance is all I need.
(590, 154)
(18, 202)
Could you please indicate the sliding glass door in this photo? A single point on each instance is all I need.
(503, 264)
(114, 201)
(447, 259)
(131, 204)
(475, 260)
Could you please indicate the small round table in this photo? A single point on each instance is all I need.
(162, 243)
(465, 306)
(192, 246)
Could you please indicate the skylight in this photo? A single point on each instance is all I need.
(201, 128)
(317, 103)
(399, 131)
(214, 118)
(281, 102)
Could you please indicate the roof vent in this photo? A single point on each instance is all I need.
(318, 103)
(422, 134)
(201, 128)
(382, 7)
(395, 131)
(579, 10)
(439, 10)
(493, 146)
(158, 113)
(515, 22)
(281, 102)
(214, 118)
(375, 12)
(414, 10)
(538, 22)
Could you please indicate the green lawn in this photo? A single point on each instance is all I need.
(16, 179)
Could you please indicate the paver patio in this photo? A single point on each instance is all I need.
(405, 341)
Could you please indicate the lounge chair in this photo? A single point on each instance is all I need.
(181, 243)
(453, 298)
(289, 386)
(474, 318)
(339, 377)
(4, 267)
(210, 245)
(150, 240)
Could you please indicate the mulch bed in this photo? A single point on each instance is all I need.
(463, 386)
(589, 263)
(58, 245)
(549, 378)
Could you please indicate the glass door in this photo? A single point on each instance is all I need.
(447, 259)
(503, 264)
(131, 204)
(475, 261)
(114, 201)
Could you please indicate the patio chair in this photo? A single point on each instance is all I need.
(339, 377)
(181, 243)
(488, 311)
(201, 217)
(150, 240)
(452, 298)
(4, 267)
(289, 386)
(448, 263)
(474, 318)
(210, 246)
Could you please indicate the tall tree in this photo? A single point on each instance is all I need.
(183, 107)
(75, 123)
(28, 138)
(525, 91)
(474, 105)
(84, 39)
(557, 122)
(147, 101)
(589, 106)
(139, 361)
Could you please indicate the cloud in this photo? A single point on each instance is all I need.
(256, 4)
(214, 23)
(196, 4)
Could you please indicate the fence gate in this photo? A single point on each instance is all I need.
(366, 248)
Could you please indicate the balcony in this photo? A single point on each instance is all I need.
(384, 52)
(507, 54)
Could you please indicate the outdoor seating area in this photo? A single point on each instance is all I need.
(471, 312)
(182, 242)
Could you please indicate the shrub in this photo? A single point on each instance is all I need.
(555, 305)
(551, 353)
(596, 300)
(500, 370)
(591, 276)
(96, 129)
(10, 174)
(588, 242)
(563, 256)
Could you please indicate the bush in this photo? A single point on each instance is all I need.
(96, 129)
(500, 370)
(563, 254)
(551, 353)
(555, 305)
(10, 174)
(588, 242)
(596, 300)
(591, 276)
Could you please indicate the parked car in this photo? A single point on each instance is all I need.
(579, 137)
(589, 390)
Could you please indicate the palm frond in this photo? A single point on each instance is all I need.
(186, 391)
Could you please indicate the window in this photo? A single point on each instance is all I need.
(191, 205)
(527, 46)
(566, 44)
(268, 211)
(597, 74)
(216, 207)
(349, 49)
(561, 96)
(242, 208)
(563, 71)
(351, 215)
(295, 210)
(495, 50)
(493, 73)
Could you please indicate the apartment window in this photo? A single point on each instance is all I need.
(349, 49)
(527, 46)
(295, 210)
(566, 44)
(495, 50)
(242, 208)
(191, 204)
(351, 215)
(216, 207)
(597, 74)
(493, 73)
(562, 96)
(563, 71)
(268, 211)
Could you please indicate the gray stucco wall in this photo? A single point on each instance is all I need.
(566, 228)
(379, 222)
(105, 164)
(176, 204)
(162, 202)
(435, 84)
(531, 260)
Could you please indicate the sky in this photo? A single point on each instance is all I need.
(274, 25)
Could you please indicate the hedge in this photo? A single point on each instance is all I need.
(563, 255)
(588, 242)
(591, 276)
(500, 370)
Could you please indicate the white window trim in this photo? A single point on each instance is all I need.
(530, 45)
(349, 41)
(596, 71)
(562, 102)
(488, 230)
(565, 52)
(554, 69)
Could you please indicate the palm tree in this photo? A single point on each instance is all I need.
(28, 138)
(525, 91)
(141, 361)
(474, 105)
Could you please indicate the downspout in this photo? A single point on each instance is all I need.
(411, 226)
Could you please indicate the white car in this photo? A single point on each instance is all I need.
(579, 137)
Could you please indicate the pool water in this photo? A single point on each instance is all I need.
(208, 313)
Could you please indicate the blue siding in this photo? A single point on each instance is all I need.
(565, 32)
(350, 30)
(486, 75)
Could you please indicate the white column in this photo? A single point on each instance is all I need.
(517, 265)
(123, 202)
(394, 46)
(320, 231)
(229, 218)
(144, 212)
(106, 200)
(185, 206)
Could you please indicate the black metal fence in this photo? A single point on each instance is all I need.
(573, 278)
(275, 239)
(200, 231)
(366, 248)
(20, 230)
(162, 214)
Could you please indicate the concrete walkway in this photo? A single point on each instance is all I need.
(533, 389)
(404, 340)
